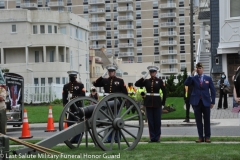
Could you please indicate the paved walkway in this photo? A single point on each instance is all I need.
(222, 113)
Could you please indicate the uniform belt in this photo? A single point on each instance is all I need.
(153, 94)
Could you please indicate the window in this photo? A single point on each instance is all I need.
(182, 66)
(85, 1)
(139, 59)
(116, 43)
(36, 56)
(63, 80)
(76, 33)
(182, 49)
(181, 21)
(55, 29)
(57, 80)
(18, 3)
(60, 9)
(139, 42)
(234, 8)
(183, 58)
(51, 56)
(181, 3)
(109, 45)
(155, 23)
(155, 5)
(36, 81)
(139, 50)
(138, 5)
(182, 40)
(115, 34)
(2, 4)
(50, 80)
(156, 41)
(155, 32)
(116, 52)
(115, 5)
(108, 16)
(138, 23)
(109, 52)
(69, 9)
(85, 9)
(155, 13)
(107, 7)
(63, 30)
(181, 11)
(139, 33)
(108, 35)
(49, 29)
(181, 29)
(35, 29)
(156, 50)
(14, 28)
(42, 29)
(115, 25)
(108, 25)
(115, 16)
(138, 14)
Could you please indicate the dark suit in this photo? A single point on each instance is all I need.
(153, 105)
(201, 101)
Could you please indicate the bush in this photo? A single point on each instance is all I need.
(57, 101)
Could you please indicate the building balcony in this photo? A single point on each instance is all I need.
(168, 43)
(55, 4)
(125, 18)
(94, 2)
(29, 5)
(124, 9)
(204, 5)
(125, 36)
(97, 28)
(99, 46)
(125, 45)
(124, 1)
(98, 10)
(97, 37)
(169, 61)
(167, 6)
(125, 27)
(100, 19)
(168, 24)
(168, 52)
(168, 34)
(168, 15)
(125, 54)
(127, 61)
(170, 70)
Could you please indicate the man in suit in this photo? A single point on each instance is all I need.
(112, 84)
(202, 101)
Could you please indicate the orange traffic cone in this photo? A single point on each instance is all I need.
(25, 129)
(50, 125)
(65, 124)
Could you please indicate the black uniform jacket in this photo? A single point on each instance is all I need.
(111, 85)
(153, 85)
(75, 88)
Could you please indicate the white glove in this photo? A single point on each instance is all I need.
(104, 74)
(162, 106)
(145, 76)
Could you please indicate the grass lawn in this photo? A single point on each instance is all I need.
(157, 151)
(39, 114)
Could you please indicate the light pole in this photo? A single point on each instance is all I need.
(191, 34)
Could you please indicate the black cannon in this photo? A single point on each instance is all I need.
(106, 117)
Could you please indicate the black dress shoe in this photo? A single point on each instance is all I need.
(207, 140)
(225, 108)
(186, 120)
(200, 140)
(219, 108)
(150, 141)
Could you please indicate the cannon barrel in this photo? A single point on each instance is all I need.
(88, 110)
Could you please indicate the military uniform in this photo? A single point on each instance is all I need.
(111, 85)
(3, 116)
(153, 103)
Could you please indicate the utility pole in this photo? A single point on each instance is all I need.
(191, 34)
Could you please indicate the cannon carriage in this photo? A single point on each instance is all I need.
(106, 117)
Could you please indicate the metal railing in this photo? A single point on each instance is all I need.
(55, 4)
(97, 37)
(171, 70)
(28, 5)
(124, 9)
(123, 27)
(125, 54)
(122, 36)
(168, 5)
(166, 43)
(98, 29)
(125, 18)
(169, 61)
(99, 46)
(98, 10)
(100, 19)
(168, 52)
(169, 33)
(167, 15)
(96, 2)
(125, 45)
(168, 24)
(123, 1)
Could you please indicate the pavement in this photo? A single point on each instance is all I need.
(221, 117)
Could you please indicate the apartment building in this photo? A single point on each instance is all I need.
(43, 45)
(139, 32)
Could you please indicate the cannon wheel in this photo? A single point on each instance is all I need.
(117, 124)
(74, 102)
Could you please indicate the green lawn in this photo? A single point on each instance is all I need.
(39, 114)
(158, 151)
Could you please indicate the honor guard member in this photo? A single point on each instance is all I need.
(153, 102)
(72, 90)
(112, 84)
(3, 94)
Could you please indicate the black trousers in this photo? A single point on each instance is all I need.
(225, 103)
(187, 108)
(3, 121)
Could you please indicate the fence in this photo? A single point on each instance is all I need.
(42, 93)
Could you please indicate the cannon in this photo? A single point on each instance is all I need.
(105, 118)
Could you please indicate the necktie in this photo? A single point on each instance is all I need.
(200, 80)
